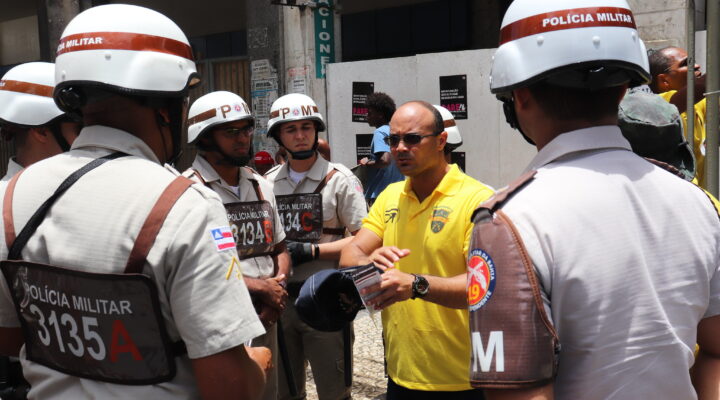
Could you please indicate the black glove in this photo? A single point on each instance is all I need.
(301, 253)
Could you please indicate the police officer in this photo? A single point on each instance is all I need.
(584, 248)
(37, 129)
(318, 202)
(120, 270)
(29, 117)
(221, 126)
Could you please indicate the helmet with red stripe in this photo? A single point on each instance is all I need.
(214, 109)
(125, 50)
(589, 44)
(26, 95)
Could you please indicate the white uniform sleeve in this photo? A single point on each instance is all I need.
(210, 303)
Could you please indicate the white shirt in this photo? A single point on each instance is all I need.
(628, 257)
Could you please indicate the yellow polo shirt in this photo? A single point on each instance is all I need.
(427, 346)
(698, 135)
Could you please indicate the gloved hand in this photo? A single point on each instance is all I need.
(300, 252)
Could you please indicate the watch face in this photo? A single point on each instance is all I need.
(420, 286)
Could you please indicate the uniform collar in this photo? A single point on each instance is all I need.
(113, 140)
(581, 140)
(317, 172)
(449, 185)
(208, 173)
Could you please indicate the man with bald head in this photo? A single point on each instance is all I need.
(417, 232)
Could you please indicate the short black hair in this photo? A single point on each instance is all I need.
(438, 123)
(659, 64)
(383, 103)
(568, 104)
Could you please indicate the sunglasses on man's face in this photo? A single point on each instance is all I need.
(409, 139)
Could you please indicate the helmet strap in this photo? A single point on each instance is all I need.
(59, 138)
(512, 119)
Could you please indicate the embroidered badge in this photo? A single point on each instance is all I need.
(390, 215)
(440, 217)
(481, 278)
(223, 238)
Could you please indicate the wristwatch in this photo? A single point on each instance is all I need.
(420, 287)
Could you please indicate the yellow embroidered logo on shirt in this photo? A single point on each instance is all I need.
(441, 215)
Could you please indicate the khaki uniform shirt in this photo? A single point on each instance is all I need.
(343, 204)
(93, 226)
(256, 267)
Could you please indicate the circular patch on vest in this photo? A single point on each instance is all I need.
(481, 278)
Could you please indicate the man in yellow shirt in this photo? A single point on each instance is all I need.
(417, 232)
(669, 68)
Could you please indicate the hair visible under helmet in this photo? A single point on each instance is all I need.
(576, 44)
(26, 100)
(126, 50)
(454, 139)
(295, 107)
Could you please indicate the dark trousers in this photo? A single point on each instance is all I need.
(397, 392)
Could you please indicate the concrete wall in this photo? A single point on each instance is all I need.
(662, 22)
(495, 154)
(19, 40)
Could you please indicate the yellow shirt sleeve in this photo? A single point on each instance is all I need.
(374, 220)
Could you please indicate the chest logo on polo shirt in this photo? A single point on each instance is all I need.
(440, 217)
(390, 215)
(481, 278)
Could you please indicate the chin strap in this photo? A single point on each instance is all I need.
(305, 154)
(512, 119)
(59, 138)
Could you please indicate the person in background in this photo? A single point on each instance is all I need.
(382, 169)
(263, 161)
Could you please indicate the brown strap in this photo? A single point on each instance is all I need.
(256, 185)
(325, 181)
(154, 222)
(496, 201)
(8, 211)
(334, 231)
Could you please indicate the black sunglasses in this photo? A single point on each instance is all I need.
(410, 139)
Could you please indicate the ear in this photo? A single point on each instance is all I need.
(40, 134)
(442, 140)
(164, 114)
(522, 97)
(662, 82)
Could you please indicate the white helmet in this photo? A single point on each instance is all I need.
(293, 107)
(454, 140)
(573, 43)
(124, 49)
(26, 95)
(213, 109)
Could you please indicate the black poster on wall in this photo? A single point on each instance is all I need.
(453, 95)
(363, 141)
(360, 92)
(458, 157)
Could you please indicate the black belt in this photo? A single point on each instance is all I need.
(293, 289)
